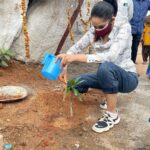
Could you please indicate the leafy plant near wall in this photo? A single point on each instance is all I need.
(5, 56)
(71, 90)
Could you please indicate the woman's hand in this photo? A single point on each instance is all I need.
(65, 59)
(63, 76)
(68, 58)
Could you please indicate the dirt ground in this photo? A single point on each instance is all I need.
(42, 121)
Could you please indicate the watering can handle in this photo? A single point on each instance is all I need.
(47, 55)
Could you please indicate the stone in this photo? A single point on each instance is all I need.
(47, 22)
(10, 22)
(77, 145)
(46, 25)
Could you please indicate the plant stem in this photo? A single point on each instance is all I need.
(71, 106)
(64, 96)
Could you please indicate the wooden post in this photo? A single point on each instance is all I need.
(73, 19)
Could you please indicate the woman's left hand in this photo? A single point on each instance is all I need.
(65, 59)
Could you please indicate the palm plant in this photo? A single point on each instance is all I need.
(71, 88)
(5, 56)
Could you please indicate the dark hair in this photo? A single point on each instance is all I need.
(114, 4)
(103, 10)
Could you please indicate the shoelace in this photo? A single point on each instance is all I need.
(104, 103)
(106, 117)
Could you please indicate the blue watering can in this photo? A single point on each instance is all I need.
(51, 69)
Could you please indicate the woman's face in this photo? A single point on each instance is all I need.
(100, 23)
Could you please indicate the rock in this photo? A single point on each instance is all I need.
(47, 21)
(45, 26)
(77, 145)
(84, 129)
(10, 22)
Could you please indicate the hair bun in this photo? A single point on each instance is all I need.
(114, 4)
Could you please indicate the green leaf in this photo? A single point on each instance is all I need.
(10, 53)
(80, 82)
(68, 90)
(76, 92)
(71, 82)
(77, 80)
(3, 64)
(3, 50)
(1, 57)
(7, 57)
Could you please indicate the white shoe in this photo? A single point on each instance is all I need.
(105, 123)
(103, 105)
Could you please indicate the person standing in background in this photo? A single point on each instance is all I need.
(146, 41)
(125, 10)
(141, 8)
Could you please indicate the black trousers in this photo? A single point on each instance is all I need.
(135, 43)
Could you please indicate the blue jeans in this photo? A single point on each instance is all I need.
(109, 78)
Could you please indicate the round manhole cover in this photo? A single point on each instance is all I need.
(12, 93)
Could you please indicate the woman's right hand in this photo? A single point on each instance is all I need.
(63, 76)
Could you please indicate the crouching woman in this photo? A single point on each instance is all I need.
(116, 72)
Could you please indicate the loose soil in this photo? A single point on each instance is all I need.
(42, 121)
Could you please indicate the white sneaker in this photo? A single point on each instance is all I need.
(103, 105)
(105, 123)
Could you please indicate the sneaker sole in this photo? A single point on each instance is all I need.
(117, 121)
(102, 130)
(103, 107)
(105, 129)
